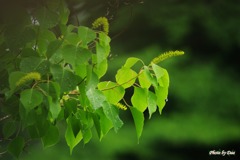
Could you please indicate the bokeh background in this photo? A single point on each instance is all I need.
(203, 108)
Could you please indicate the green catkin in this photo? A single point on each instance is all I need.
(28, 77)
(166, 55)
(101, 21)
(121, 106)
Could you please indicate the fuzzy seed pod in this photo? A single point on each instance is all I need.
(121, 106)
(166, 55)
(28, 77)
(101, 21)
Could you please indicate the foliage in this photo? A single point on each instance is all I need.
(51, 73)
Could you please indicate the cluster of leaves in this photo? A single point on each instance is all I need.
(51, 73)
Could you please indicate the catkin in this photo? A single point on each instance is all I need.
(101, 21)
(121, 106)
(166, 55)
(28, 77)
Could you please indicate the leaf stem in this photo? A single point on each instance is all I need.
(126, 102)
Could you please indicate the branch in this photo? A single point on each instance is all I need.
(1, 153)
(5, 117)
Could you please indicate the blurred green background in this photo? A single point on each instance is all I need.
(203, 108)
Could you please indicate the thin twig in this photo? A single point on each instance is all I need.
(1, 153)
(126, 102)
(5, 117)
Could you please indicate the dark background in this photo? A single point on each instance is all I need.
(203, 108)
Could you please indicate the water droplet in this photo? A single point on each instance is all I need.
(166, 100)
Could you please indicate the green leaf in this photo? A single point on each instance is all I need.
(101, 54)
(36, 118)
(126, 77)
(113, 92)
(37, 64)
(17, 36)
(71, 38)
(51, 137)
(54, 107)
(70, 107)
(10, 106)
(102, 123)
(86, 124)
(92, 79)
(27, 118)
(28, 35)
(150, 77)
(152, 103)
(51, 89)
(87, 135)
(83, 96)
(131, 62)
(31, 98)
(70, 29)
(85, 118)
(66, 79)
(45, 37)
(35, 131)
(96, 120)
(16, 146)
(14, 77)
(111, 113)
(144, 80)
(104, 40)
(39, 126)
(96, 98)
(64, 12)
(28, 52)
(53, 47)
(105, 125)
(162, 75)
(162, 90)
(101, 68)
(73, 134)
(138, 118)
(76, 55)
(9, 128)
(46, 18)
(81, 70)
(86, 35)
(139, 99)
(161, 93)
